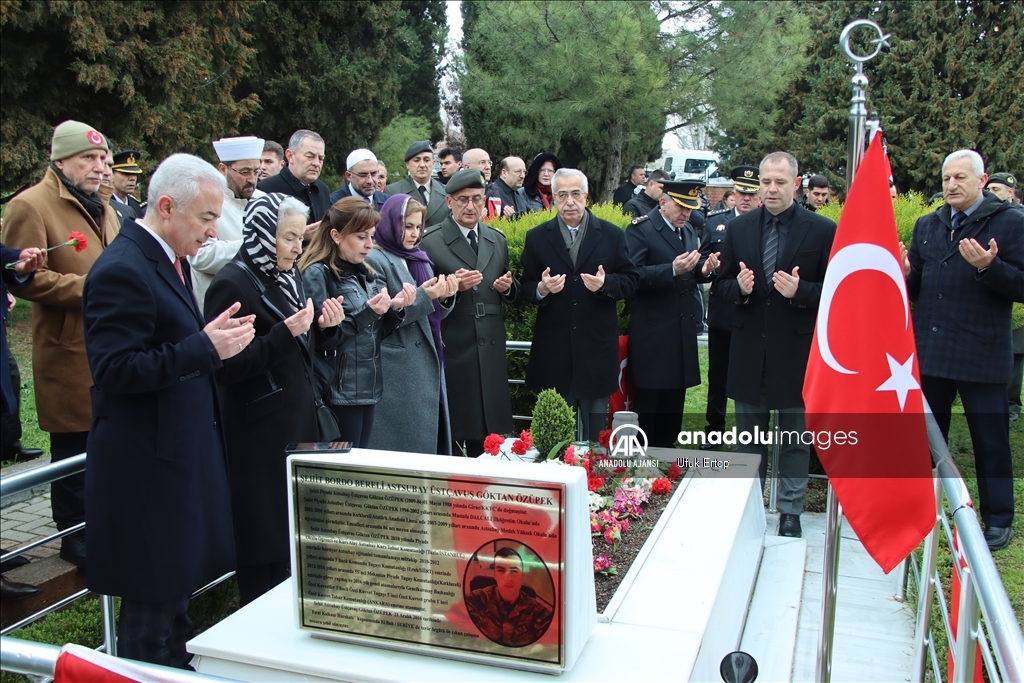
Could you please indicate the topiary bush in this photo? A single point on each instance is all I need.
(553, 422)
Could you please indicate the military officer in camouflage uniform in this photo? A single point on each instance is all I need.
(508, 613)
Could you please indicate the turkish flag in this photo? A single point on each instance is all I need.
(862, 390)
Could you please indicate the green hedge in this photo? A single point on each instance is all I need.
(520, 317)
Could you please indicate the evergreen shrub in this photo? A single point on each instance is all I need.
(553, 422)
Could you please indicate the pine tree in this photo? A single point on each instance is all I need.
(950, 80)
(156, 76)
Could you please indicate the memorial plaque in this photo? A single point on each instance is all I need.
(447, 563)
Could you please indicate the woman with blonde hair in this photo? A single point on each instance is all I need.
(413, 414)
(347, 359)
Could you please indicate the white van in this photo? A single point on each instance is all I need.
(689, 162)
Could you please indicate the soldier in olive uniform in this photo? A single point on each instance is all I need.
(508, 613)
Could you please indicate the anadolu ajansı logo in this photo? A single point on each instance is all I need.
(625, 442)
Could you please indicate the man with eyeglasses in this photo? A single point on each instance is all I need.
(575, 269)
(474, 332)
(511, 173)
(480, 160)
(240, 165)
(362, 176)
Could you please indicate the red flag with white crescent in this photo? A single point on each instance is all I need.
(862, 389)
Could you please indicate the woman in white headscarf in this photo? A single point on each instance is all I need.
(266, 393)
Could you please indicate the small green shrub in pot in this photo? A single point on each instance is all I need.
(553, 422)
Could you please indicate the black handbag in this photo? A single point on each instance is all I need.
(326, 421)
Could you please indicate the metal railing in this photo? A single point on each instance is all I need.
(986, 617)
(38, 659)
(46, 474)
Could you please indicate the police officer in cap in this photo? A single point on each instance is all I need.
(126, 179)
(746, 185)
(664, 314)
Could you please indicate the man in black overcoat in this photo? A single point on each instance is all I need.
(157, 502)
(964, 270)
(301, 177)
(575, 268)
(663, 312)
(773, 266)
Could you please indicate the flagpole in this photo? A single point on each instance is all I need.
(833, 521)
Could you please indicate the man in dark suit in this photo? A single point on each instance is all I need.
(511, 172)
(301, 177)
(362, 178)
(476, 371)
(624, 192)
(26, 261)
(721, 310)
(158, 506)
(575, 268)
(965, 269)
(646, 200)
(773, 266)
(663, 312)
(419, 161)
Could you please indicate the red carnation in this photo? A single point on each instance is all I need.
(519, 447)
(526, 437)
(661, 486)
(595, 484)
(604, 437)
(77, 240)
(675, 471)
(493, 443)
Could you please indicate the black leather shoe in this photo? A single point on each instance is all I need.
(708, 446)
(19, 561)
(25, 454)
(13, 590)
(998, 537)
(72, 549)
(789, 525)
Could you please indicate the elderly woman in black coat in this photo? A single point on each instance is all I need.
(266, 393)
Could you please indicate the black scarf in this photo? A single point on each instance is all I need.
(90, 202)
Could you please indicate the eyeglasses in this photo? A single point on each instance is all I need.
(246, 172)
(547, 170)
(462, 201)
(364, 176)
(562, 195)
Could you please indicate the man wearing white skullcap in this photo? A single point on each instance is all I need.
(362, 179)
(240, 164)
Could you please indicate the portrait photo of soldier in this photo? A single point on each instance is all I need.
(509, 599)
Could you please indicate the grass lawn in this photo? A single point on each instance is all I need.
(80, 623)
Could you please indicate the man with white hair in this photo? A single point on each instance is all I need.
(158, 505)
(965, 268)
(575, 268)
(362, 176)
(240, 166)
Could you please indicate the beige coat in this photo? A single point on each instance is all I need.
(43, 216)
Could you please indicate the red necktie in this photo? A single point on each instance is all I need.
(177, 269)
